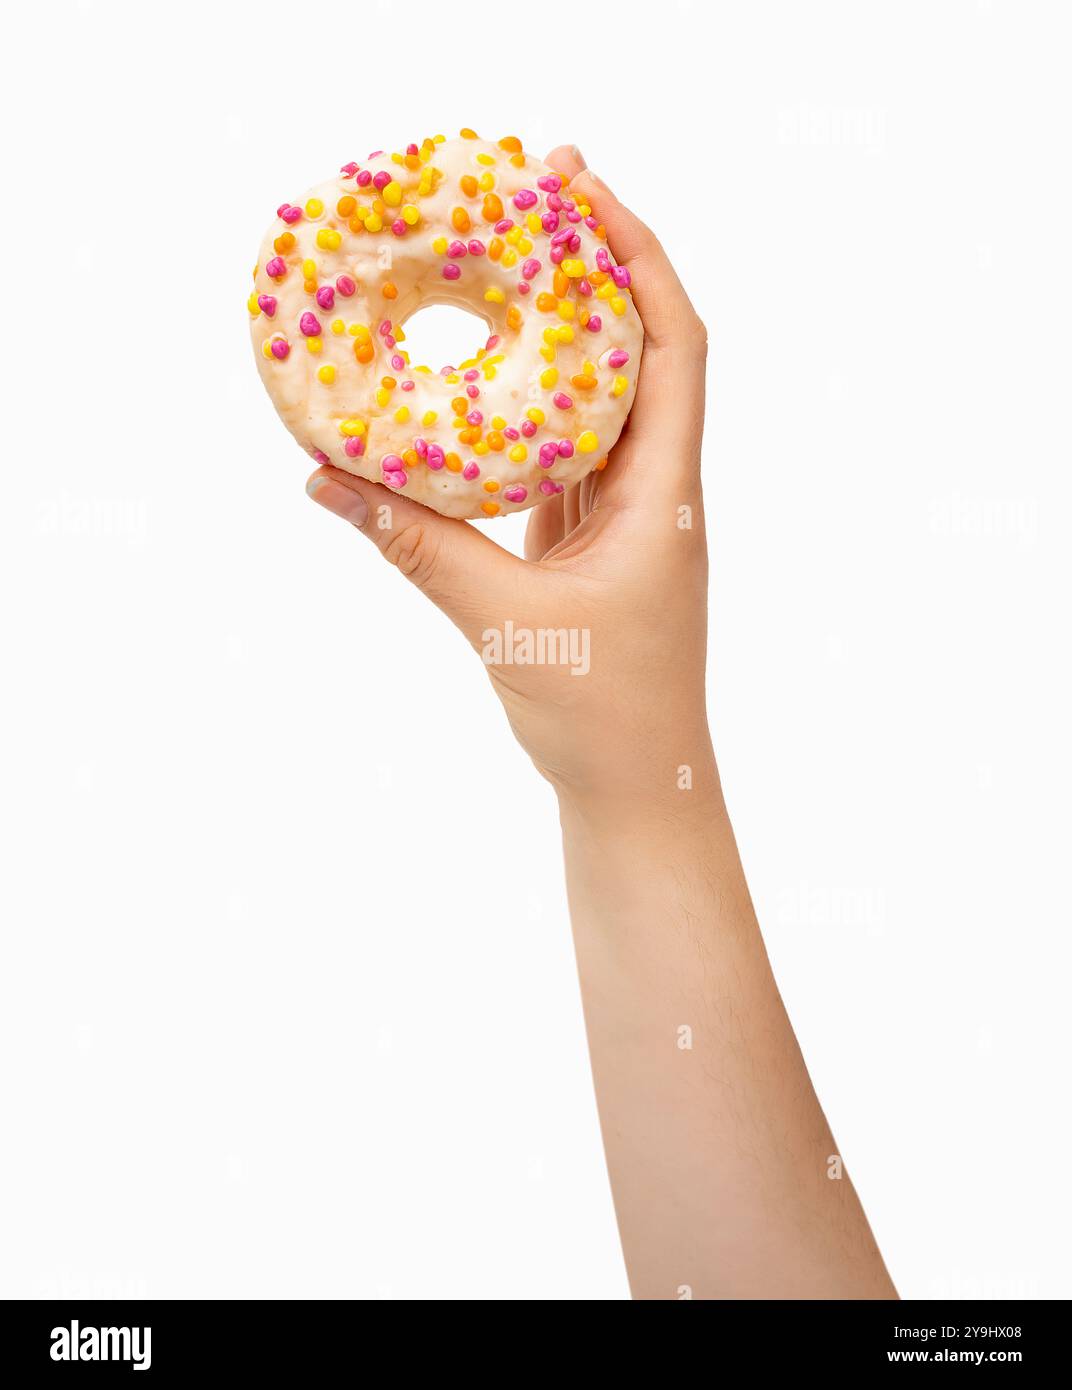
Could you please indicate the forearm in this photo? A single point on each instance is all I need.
(717, 1148)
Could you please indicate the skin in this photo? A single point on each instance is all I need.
(719, 1155)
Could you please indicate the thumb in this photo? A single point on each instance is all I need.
(461, 570)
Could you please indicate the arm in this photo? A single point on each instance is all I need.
(716, 1144)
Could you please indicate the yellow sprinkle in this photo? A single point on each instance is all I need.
(326, 373)
(564, 333)
(547, 353)
(481, 447)
(509, 257)
(588, 442)
(337, 327)
(266, 347)
(314, 344)
(566, 308)
(314, 208)
(485, 159)
(308, 269)
(518, 454)
(524, 246)
(329, 239)
(411, 215)
(429, 418)
(573, 268)
(621, 385)
(486, 182)
(439, 245)
(513, 236)
(252, 305)
(494, 295)
(383, 396)
(533, 223)
(392, 194)
(374, 222)
(402, 414)
(617, 305)
(361, 333)
(352, 426)
(536, 415)
(606, 290)
(548, 377)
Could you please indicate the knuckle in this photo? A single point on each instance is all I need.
(414, 551)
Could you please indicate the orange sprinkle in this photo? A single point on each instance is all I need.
(513, 317)
(284, 242)
(493, 208)
(495, 248)
(468, 183)
(459, 220)
(468, 134)
(490, 508)
(390, 291)
(363, 352)
(511, 144)
(546, 302)
(518, 161)
(492, 485)
(346, 205)
(561, 283)
(495, 440)
(459, 405)
(454, 463)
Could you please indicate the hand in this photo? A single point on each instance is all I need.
(619, 560)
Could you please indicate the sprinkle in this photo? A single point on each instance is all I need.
(621, 385)
(471, 471)
(573, 268)
(492, 210)
(457, 249)
(268, 304)
(525, 199)
(594, 324)
(314, 208)
(476, 248)
(345, 285)
(328, 239)
(518, 454)
(354, 447)
(276, 268)
(290, 215)
(621, 277)
(562, 401)
(459, 220)
(588, 442)
(531, 268)
(451, 271)
(389, 291)
(309, 325)
(280, 349)
(548, 454)
(490, 508)
(325, 297)
(380, 181)
(326, 373)
(392, 193)
(516, 493)
(550, 183)
(565, 448)
(494, 295)
(603, 261)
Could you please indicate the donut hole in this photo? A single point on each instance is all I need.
(442, 335)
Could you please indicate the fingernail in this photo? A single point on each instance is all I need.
(575, 151)
(338, 498)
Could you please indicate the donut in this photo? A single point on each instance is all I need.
(472, 223)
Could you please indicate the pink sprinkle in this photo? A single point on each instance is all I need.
(584, 286)
(348, 170)
(408, 385)
(345, 285)
(523, 287)
(276, 268)
(325, 297)
(470, 471)
(528, 429)
(549, 221)
(547, 487)
(398, 227)
(618, 358)
(493, 342)
(280, 348)
(550, 183)
(398, 362)
(621, 277)
(396, 479)
(364, 179)
(591, 222)
(421, 445)
(411, 149)
(503, 225)
(291, 214)
(554, 202)
(381, 180)
(525, 199)
(456, 250)
(531, 268)
(558, 254)
(548, 454)
(471, 375)
(563, 235)
(565, 448)
(476, 248)
(594, 324)
(562, 401)
(309, 325)
(389, 340)
(574, 244)
(474, 418)
(384, 328)
(281, 209)
(517, 493)
(452, 271)
(472, 392)
(436, 457)
(354, 447)
(573, 216)
(267, 303)
(602, 260)
(320, 456)
(391, 463)
(511, 433)
(568, 204)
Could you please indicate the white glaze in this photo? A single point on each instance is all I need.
(312, 410)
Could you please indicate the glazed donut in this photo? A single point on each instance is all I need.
(479, 225)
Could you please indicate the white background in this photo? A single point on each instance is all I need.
(287, 1002)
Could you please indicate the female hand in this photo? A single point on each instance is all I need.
(619, 561)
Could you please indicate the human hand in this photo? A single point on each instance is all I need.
(619, 562)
